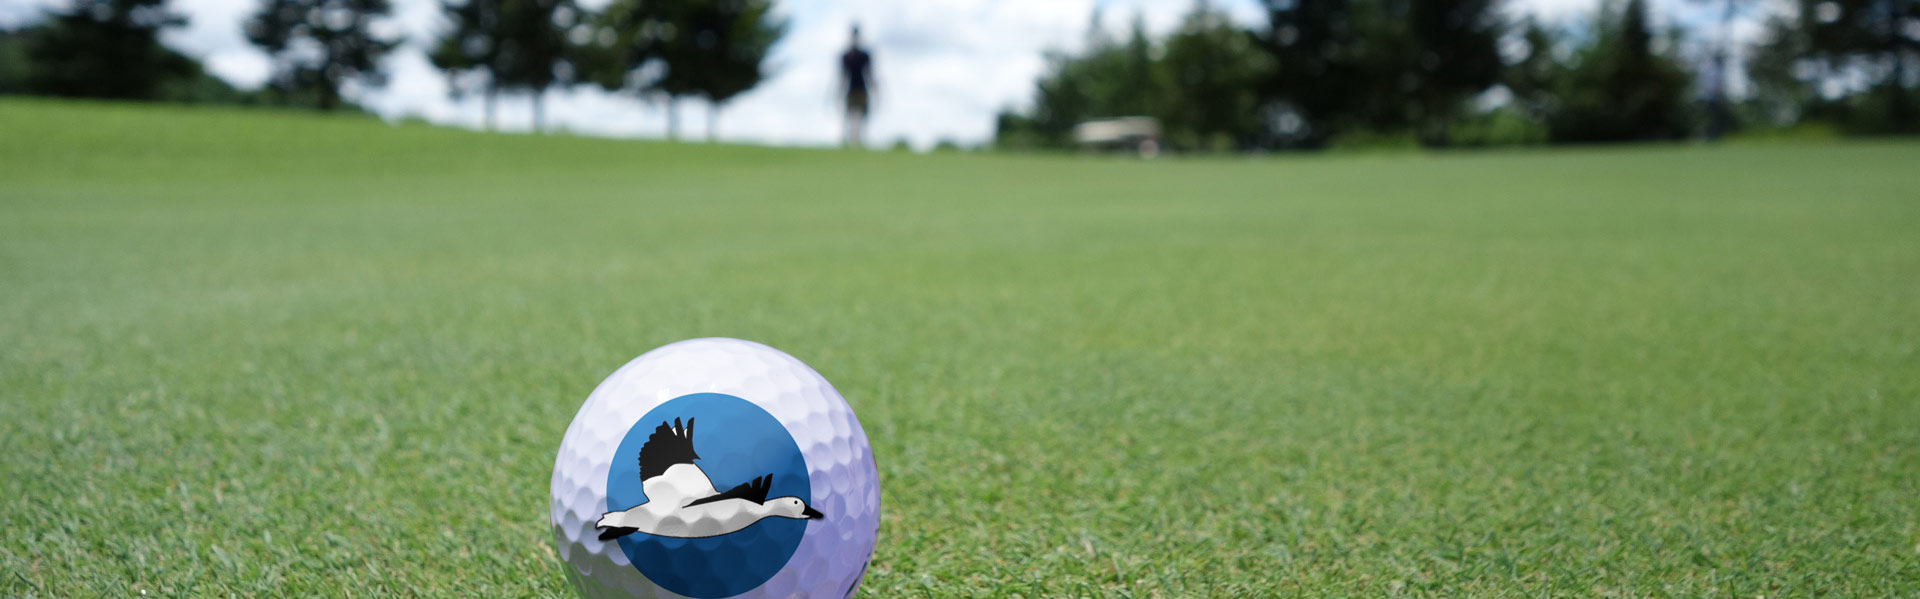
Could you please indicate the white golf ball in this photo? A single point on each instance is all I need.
(715, 468)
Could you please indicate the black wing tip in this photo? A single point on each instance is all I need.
(671, 443)
(686, 432)
(676, 428)
(608, 533)
(753, 490)
(758, 487)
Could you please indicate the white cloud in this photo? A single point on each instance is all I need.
(1555, 11)
(213, 33)
(18, 12)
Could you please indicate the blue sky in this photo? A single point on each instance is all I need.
(944, 66)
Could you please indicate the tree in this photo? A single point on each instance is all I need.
(1719, 77)
(536, 52)
(317, 46)
(1620, 88)
(1873, 41)
(470, 53)
(1381, 65)
(14, 65)
(1455, 57)
(179, 78)
(742, 33)
(1107, 79)
(1126, 78)
(525, 46)
(645, 33)
(1536, 77)
(1317, 51)
(1216, 70)
(106, 49)
(1782, 94)
(711, 49)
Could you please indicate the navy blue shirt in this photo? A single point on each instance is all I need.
(854, 64)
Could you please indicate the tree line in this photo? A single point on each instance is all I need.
(1462, 72)
(667, 50)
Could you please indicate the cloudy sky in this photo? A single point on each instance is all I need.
(944, 67)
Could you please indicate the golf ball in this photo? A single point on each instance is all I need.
(715, 468)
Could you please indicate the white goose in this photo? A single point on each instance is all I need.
(681, 500)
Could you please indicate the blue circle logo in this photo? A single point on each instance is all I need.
(708, 496)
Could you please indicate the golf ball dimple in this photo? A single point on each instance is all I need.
(715, 468)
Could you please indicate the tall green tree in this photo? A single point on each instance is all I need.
(14, 65)
(536, 49)
(1621, 87)
(106, 49)
(674, 49)
(1318, 55)
(518, 46)
(673, 45)
(470, 53)
(1718, 78)
(1216, 69)
(317, 46)
(1877, 41)
(741, 34)
(627, 62)
(1777, 67)
(1383, 65)
(649, 43)
(1106, 79)
(1454, 56)
(1060, 99)
(1536, 75)
(1127, 77)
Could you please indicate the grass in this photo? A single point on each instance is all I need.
(270, 354)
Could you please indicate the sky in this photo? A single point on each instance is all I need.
(943, 67)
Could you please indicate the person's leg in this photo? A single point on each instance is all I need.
(858, 125)
(856, 118)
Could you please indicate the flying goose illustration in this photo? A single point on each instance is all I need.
(681, 500)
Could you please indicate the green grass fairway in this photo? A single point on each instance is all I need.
(262, 354)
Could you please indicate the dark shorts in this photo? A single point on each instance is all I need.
(857, 101)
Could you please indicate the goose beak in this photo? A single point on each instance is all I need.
(812, 514)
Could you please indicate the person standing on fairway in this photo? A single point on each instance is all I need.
(856, 72)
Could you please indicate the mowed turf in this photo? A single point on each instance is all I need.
(254, 353)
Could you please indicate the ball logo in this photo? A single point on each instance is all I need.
(670, 518)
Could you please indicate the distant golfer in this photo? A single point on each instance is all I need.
(856, 71)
